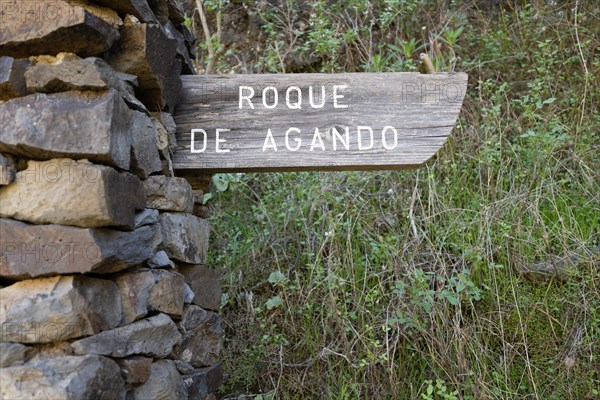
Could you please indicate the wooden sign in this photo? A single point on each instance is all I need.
(292, 122)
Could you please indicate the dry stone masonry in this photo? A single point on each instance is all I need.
(104, 288)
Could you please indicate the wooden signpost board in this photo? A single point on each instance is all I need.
(294, 122)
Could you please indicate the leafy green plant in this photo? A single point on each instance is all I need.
(438, 390)
(403, 284)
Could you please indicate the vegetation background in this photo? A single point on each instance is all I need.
(474, 277)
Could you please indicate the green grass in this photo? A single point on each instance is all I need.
(405, 285)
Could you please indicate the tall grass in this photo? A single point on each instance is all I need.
(409, 285)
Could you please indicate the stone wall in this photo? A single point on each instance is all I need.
(104, 291)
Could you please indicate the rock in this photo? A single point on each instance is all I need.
(135, 369)
(201, 211)
(68, 192)
(162, 138)
(205, 283)
(135, 290)
(13, 353)
(176, 11)
(138, 8)
(164, 383)
(168, 94)
(161, 10)
(204, 381)
(167, 165)
(142, 51)
(201, 341)
(160, 260)
(51, 27)
(198, 197)
(169, 124)
(69, 378)
(169, 194)
(153, 337)
(167, 293)
(173, 87)
(145, 158)
(188, 294)
(106, 14)
(148, 216)
(185, 237)
(200, 182)
(70, 74)
(50, 59)
(182, 51)
(150, 290)
(183, 367)
(12, 80)
(166, 10)
(166, 140)
(8, 169)
(190, 40)
(193, 317)
(58, 308)
(51, 350)
(131, 80)
(29, 251)
(75, 124)
(66, 72)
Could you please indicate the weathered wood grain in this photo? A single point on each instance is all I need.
(422, 108)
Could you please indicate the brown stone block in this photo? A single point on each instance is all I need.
(145, 158)
(53, 309)
(185, 237)
(164, 383)
(29, 251)
(145, 50)
(182, 50)
(201, 341)
(154, 337)
(138, 8)
(8, 169)
(203, 381)
(12, 79)
(205, 283)
(68, 378)
(150, 290)
(168, 194)
(13, 353)
(91, 125)
(135, 369)
(50, 27)
(68, 192)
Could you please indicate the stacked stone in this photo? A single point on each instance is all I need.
(104, 292)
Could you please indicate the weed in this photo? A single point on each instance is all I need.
(407, 285)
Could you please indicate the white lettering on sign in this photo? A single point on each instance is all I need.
(317, 137)
(269, 141)
(337, 96)
(329, 122)
(338, 138)
(270, 97)
(246, 97)
(297, 140)
(218, 141)
(202, 149)
(298, 104)
(360, 142)
(204, 141)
